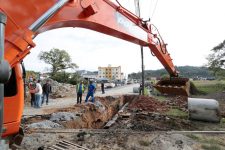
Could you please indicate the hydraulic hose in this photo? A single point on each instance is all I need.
(47, 15)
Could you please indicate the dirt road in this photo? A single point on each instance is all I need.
(69, 101)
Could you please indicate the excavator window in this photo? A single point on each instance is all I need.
(10, 88)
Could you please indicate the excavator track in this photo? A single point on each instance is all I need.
(66, 145)
(173, 86)
(16, 140)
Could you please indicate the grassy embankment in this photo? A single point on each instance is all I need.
(207, 87)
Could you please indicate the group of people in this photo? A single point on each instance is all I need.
(39, 93)
(91, 90)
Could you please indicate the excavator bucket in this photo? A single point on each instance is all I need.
(173, 86)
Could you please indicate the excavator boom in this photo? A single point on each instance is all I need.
(27, 19)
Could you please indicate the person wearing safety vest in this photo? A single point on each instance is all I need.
(80, 91)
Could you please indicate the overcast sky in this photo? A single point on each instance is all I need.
(191, 28)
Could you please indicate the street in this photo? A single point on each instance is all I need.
(70, 101)
(120, 90)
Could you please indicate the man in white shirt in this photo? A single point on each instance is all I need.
(38, 94)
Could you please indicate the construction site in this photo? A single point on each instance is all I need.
(48, 106)
(128, 121)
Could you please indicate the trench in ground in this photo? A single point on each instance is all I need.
(141, 114)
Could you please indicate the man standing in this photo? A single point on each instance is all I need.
(140, 89)
(80, 91)
(103, 87)
(91, 90)
(38, 93)
(46, 90)
(32, 87)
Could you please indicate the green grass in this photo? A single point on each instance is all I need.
(144, 143)
(208, 87)
(177, 113)
(194, 137)
(146, 92)
(160, 98)
(208, 143)
(210, 147)
(222, 120)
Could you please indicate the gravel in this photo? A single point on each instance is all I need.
(63, 116)
(100, 106)
(45, 125)
(172, 142)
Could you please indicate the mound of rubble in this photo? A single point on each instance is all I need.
(63, 116)
(46, 124)
(149, 104)
(60, 90)
(179, 102)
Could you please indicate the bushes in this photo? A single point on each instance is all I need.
(64, 77)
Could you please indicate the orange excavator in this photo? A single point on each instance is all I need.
(22, 21)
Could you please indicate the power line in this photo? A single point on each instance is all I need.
(150, 4)
(154, 9)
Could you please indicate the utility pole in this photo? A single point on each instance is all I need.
(138, 13)
(142, 71)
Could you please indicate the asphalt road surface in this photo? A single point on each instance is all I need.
(70, 101)
(120, 90)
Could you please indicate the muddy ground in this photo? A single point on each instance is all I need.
(142, 123)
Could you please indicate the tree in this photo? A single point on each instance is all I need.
(74, 78)
(65, 77)
(58, 59)
(216, 60)
(31, 74)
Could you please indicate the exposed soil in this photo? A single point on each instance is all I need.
(89, 115)
(149, 104)
(141, 125)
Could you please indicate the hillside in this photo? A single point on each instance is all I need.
(185, 71)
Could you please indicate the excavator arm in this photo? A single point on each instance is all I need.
(100, 15)
(27, 19)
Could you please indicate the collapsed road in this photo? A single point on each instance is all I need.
(141, 122)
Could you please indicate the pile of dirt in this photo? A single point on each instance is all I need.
(148, 104)
(180, 102)
(60, 90)
(158, 122)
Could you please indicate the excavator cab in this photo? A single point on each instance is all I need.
(173, 86)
